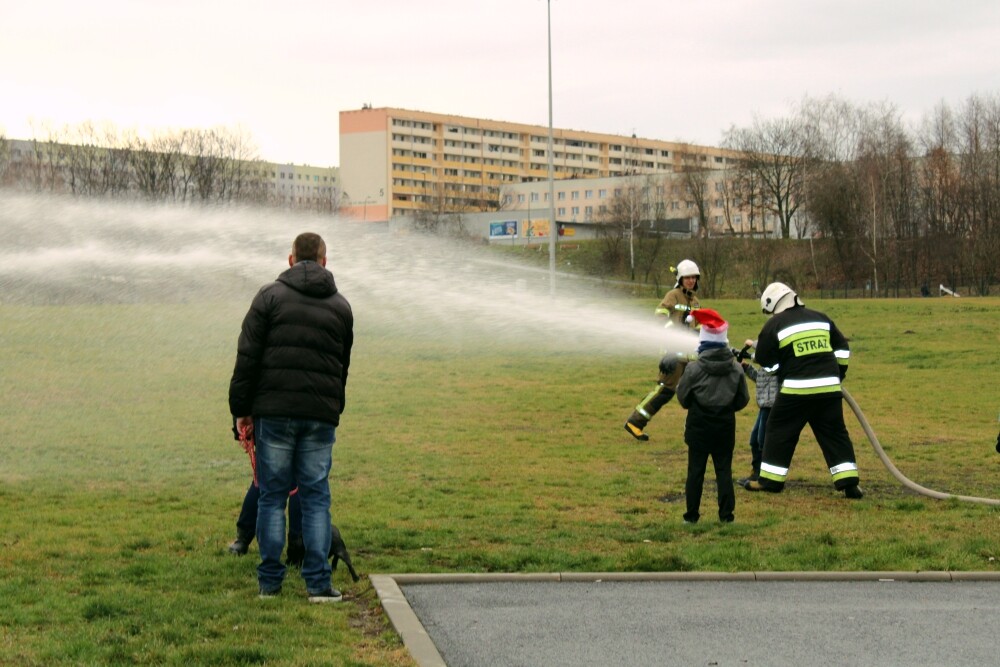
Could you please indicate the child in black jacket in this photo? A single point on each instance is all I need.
(713, 389)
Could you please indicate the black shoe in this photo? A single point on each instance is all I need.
(267, 595)
(742, 481)
(239, 546)
(755, 485)
(329, 595)
(854, 493)
(635, 432)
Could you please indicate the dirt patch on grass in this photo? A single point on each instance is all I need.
(380, 644)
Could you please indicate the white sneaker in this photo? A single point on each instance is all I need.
(329, 595)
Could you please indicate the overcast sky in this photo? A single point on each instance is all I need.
(663, 69)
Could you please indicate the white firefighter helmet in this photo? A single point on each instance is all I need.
(687, 268)
(778, 297)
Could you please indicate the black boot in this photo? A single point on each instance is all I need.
(241, 544)
(760, 485)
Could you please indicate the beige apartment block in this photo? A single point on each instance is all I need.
(303, 186)
(663, 201)
(396, 162)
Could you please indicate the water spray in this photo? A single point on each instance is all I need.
(60, 250)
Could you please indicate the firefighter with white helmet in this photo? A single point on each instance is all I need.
(676, 305)
(810, 355)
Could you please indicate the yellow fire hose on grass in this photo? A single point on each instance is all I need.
(895, 471)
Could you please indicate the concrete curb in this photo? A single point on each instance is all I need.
(425, 654)
(406, 623)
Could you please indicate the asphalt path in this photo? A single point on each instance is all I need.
(773, 623)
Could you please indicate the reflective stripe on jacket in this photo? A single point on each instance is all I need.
(805, 350)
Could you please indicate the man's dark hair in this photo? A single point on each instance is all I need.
(308, 247)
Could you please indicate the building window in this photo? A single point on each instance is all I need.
(588, 194)
(602, 193)
(561, 195)
(575, 194)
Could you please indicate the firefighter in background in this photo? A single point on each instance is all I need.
(671, 368)
(810, 356)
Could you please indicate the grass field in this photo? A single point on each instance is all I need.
(120, 483)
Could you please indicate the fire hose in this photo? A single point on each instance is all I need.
(872, 438)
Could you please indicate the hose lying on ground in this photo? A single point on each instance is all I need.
(895, 471)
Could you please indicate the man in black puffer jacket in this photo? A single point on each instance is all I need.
(287, 390)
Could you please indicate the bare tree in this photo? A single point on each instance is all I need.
(4, 159)
(773, 153)
(695, 179)
(441, 213)
(653, 212)
(979, 203)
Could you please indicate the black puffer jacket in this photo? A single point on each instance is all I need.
(713, 389)
(294, 349)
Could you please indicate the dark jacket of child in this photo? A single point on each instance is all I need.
(713, 389)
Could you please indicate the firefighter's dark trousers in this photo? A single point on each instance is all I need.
(661, 394)
(824, 413)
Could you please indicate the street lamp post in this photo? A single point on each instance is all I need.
(552, 186)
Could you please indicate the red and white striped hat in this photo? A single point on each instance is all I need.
(713, 328)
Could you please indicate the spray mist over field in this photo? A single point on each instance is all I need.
(68, 251)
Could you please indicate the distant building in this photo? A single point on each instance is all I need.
(396, 162)
(303, 186)
(88, 170)
(663, 203)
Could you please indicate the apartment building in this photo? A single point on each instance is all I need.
(303, 186)
(394, 162)
(662, 201)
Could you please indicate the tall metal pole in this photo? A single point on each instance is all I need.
(552, 185)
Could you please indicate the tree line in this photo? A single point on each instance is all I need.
(215, 165)
(897, 207)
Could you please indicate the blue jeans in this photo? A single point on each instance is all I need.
(757, 438)
(294, 452)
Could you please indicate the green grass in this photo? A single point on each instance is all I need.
(120, 483)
